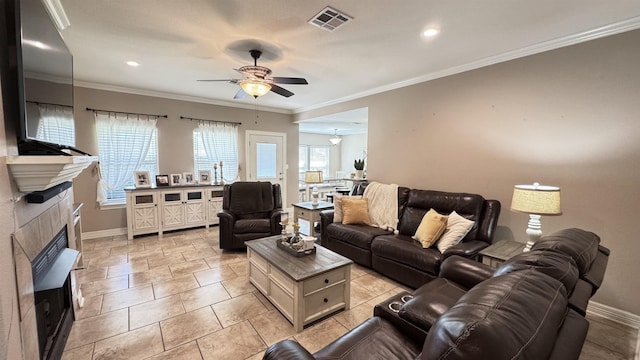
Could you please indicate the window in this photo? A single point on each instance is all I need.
(125, 145)
(213, 143)
(311, 157)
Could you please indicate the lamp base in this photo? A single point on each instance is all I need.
(314, 196)
(534, 231)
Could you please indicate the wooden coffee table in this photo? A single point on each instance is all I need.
(305, 288)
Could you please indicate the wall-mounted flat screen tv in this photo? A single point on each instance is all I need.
(45, 78)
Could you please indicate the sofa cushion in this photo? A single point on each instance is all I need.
(375, 338)
(557, 265)
(581, 245)
(337, 205)
(250, 197)
(405, 250)
(513, 316)
(419, 202)
(355, 211)
(431, 228)
(457, 228)
(356, 235)
(430, 301)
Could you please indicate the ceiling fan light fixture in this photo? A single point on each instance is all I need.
(335, 139)
(255, 88)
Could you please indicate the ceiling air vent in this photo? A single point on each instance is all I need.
(329, 19)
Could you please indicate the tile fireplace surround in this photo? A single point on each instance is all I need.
(41, 223)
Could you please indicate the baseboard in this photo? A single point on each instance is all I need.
(613, 314)
(103, 233)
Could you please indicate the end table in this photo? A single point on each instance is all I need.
(309, 212)
(497, 253)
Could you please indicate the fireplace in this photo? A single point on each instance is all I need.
(52, 295)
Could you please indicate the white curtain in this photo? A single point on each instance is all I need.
(55, 125)
(220, 142)
(123, 143)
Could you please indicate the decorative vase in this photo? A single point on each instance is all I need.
(359, 174)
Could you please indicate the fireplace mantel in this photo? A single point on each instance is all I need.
(41, 172)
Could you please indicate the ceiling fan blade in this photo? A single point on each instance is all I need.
(233, 81)
(290, 80)
(281, 91)
(240, 94)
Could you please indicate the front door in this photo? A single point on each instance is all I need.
(266, 158)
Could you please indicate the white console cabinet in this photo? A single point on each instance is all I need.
(154, 210)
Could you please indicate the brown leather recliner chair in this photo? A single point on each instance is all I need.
(250, 210)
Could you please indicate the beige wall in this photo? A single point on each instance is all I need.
(567, 117)
(175, 144)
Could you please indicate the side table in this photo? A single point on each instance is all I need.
(309, 212)
(497, 253)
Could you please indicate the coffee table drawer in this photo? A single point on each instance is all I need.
(324, 280)
(323, 302)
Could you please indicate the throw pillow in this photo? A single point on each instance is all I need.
(430, 228)
(457, 228)
(337, 205)
(355, 211)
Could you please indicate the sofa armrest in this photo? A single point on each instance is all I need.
(287, 350)
(468, 249)
(465, 272)
(326, 218)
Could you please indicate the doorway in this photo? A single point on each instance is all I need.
(265, 158)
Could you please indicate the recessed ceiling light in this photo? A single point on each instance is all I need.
(133, 63)
(430, 32)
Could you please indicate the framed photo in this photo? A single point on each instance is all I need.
(204, 176)
(162, 180)
(141, 179)
(188, 178)
(175, 179)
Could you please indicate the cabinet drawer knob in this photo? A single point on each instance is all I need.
(326, 281)
(326, 300)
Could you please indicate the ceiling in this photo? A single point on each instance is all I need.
(179, 42)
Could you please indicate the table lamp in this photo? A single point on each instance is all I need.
(313, 177)
(535, 200)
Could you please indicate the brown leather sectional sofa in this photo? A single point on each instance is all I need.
(522, 310)
(397, 256)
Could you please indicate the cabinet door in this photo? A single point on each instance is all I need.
(215, 205)
(172, 209)
(145, 212)
(194, 207)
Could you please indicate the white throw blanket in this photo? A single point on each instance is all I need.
(383, 205)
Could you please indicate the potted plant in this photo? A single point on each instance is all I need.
(358, 164)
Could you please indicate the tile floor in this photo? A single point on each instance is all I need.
(180, 297)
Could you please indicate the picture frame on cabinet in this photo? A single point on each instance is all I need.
(141, 179)
(188, 178)
(204, 176)
(162, 180)
(175, 179)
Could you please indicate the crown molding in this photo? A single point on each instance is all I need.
(172, 96)
(607, 30)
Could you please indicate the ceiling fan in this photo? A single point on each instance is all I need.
(258, 81)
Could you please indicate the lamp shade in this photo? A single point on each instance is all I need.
(255, 88)
(536, 199)
(313, 177)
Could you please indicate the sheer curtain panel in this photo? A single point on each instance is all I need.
(220, 142)
(123, 144)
